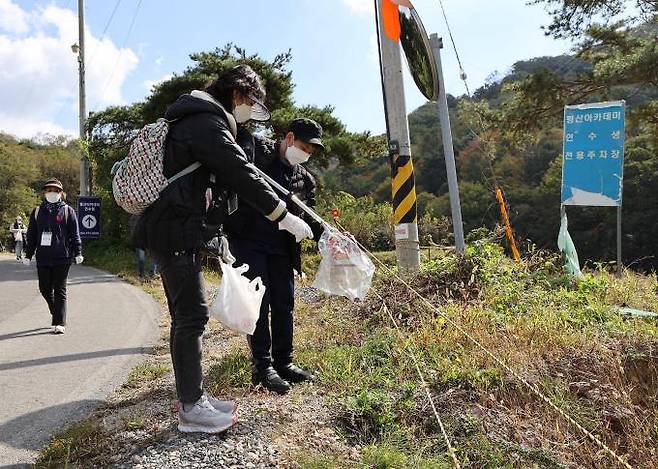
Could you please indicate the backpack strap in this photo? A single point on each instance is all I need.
(191, 168)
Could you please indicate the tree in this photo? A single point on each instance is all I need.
(112, 130)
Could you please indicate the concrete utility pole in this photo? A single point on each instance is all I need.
(448, 150)
(404, 191)
(85, 188)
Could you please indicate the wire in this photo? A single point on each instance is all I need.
(123, 46)
(462, 73)
(535, 390)
(451, 449)
(107, 25)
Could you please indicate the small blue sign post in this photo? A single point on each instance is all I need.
(593, 158)
(89, 217)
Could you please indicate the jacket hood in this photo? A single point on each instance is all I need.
(198, 102)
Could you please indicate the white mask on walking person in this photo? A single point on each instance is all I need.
(53, 197)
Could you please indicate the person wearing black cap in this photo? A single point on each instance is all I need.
(273, 255)
(190, 212)
(54, 236)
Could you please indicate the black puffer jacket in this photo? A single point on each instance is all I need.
(245, 222)
(183, 217)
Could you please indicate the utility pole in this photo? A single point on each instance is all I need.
(79, 48)
(403, 186)
(448, 150)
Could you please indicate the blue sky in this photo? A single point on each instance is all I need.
(333, 44)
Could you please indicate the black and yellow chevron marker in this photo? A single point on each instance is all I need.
(404, 187)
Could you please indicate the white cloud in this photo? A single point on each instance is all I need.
(360, 7)
(39, 73)
(12, 18)
(159, 61)
(149, 84)
(28, 128)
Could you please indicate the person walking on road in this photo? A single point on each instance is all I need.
(190, 212)
(18, 231)
(273, 255)
(54, 236)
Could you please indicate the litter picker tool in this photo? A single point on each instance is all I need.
(345, 270)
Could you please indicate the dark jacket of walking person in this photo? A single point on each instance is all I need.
(53, 235)
(18, 231)
(189, 213)
(274, 255)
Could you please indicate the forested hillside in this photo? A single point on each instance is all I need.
(24, 166)
(525, 162)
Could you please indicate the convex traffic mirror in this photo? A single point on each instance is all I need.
(417, 49)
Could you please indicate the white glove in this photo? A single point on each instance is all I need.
(79, 259)
(26, 261)
(225, 252)
(295, 225)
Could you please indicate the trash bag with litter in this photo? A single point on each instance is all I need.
(238, 300)
(345, 270)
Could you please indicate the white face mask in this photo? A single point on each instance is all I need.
(53, 197)
(296, 155)
(242, 113)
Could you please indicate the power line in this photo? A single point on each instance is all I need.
(123, 46)
(462, 73)
(107, 25)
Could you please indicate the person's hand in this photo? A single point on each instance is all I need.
(26, 261)
(79, 259)
(295, 225)
(225, 252)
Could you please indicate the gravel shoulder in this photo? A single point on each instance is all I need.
(137, 428)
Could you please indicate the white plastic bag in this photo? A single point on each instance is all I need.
(566, 246)
(345, 270)
(238, 300)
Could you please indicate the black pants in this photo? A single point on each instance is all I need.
(52, 285)
(276, 272)
(182, 278)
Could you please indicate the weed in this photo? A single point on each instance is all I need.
(135, 422)
(146, 372)
(85, 439)
(232, 371)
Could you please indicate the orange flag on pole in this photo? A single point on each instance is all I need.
(391, 20)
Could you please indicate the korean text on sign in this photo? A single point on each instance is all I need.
(593, 156)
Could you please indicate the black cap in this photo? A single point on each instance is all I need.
(52, 182)
(307, 130)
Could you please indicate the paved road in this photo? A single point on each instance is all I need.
(49, 381)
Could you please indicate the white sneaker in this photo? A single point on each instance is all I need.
(226, 407)
(203, 417)
(58, 329)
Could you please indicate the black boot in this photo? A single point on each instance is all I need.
(270, 379)
(293, 374)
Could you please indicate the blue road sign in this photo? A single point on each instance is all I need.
(593, 155)
(89, 217)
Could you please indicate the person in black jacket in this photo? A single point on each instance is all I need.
(273, 255)
(190, 212)
(54, 236)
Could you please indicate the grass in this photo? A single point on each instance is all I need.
(230, 372)
(86, 439)
(563, 336)
(145, 373)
